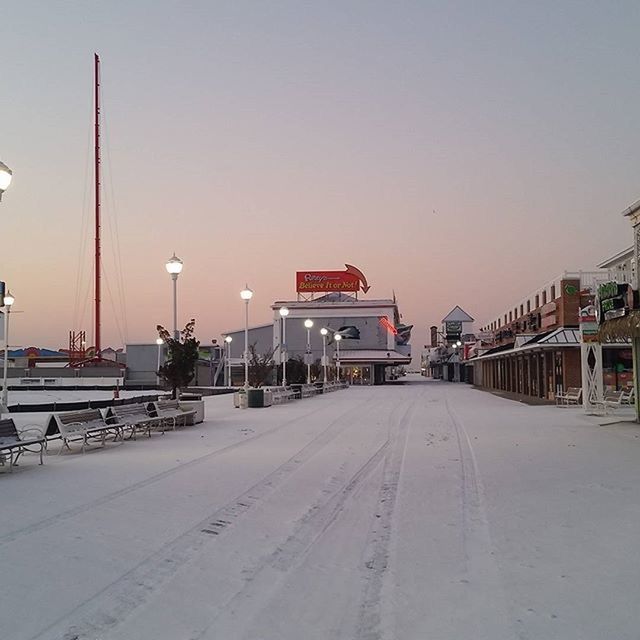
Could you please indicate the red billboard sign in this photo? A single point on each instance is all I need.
(349, 280)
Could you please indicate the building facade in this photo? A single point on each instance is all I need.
(373, 340)
(532, 349)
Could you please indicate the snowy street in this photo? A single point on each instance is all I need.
(408, 511)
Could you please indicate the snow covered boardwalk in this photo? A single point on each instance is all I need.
(422, 510)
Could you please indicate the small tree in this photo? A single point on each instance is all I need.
(296, 370)
(179, 369)
(261, 367)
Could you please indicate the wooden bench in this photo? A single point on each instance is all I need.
(135, 418)
(170, 412)
(85, 425)
(14, 444)
(282, 394)
(573, 396)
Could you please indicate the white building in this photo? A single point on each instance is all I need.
(373, 340)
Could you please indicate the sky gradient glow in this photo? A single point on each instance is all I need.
(258, 138)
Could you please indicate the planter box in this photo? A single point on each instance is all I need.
(198, 405)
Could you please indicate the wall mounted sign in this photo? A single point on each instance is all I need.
(453, 328)
(613, 301)
(350, 280)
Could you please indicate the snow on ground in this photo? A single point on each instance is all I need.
(421, 510)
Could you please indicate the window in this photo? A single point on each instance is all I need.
(537, 301)
(528, 306)
(544, 297)
(510, 316)
(505, 318)
(553, 291)
(521, 310)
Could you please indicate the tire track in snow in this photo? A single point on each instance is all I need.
(486, 593)
(70, 513)
(276, 568)
(113, 603)
(369, 625)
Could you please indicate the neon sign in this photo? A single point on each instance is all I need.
(384, 321)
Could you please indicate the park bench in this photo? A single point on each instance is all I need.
(135, 418)
(573, 396)
(613, 400)
(14, 444)
(282, 394)
(170, 412)
(308, 390)
(84, 425)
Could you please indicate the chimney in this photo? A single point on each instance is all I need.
(434, 336)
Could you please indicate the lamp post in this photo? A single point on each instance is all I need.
(174, 267)
(159, 342)
(5, 178)
(337, 337)
(284, 312)
(228, 340)
(246, 294)
(324, 333)
(8, 301)
(308, 324)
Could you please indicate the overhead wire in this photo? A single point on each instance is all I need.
(116, 252)
(82, 244)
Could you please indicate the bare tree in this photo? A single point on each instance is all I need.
(261, 367)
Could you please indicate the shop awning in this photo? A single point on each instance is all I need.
(561, 337)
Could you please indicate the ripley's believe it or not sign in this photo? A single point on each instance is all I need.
(350, 280)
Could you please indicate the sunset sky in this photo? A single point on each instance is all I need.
(456, 152)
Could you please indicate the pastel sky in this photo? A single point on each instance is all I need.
(258, 138)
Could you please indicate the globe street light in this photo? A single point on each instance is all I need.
(308, 324)
(8, 301)
(159, 342)
(246, 294)
(324, 333)
(174, 267)
(284, 312)
(337, 337)
(228, 340)
(5, 178)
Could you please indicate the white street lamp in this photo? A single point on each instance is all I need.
(324, 333)
(228, 340)
(8, 301)
(159, 342)
(174, 267)
(337, 337)
(284, 312)
(5, 178)
(246, 294)
(308, 324)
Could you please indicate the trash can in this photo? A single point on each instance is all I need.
(255, 398)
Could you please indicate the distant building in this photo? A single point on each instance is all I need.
(374, 340)
(443, 359)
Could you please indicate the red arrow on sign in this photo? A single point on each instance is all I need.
(354, 271)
